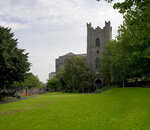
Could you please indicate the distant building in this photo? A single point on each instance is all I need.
(52, 75)
(96, 40)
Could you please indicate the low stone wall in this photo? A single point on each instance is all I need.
(33, 91)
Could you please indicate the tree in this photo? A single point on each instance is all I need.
(132, 50)
(120, 64)
(127, 6)
(77, 76)
(53, 84)
(114, 65)
(14, 63)
(30, 81)
(57, 83)
(106, 62)
(60, 76)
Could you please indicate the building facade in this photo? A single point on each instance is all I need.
(96, 40)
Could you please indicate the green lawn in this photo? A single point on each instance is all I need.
(116, 109)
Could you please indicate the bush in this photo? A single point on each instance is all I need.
(1, 96)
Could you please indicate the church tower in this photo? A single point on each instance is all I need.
(96, 40)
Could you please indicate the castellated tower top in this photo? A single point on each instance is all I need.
(89, 26)
(107, 23)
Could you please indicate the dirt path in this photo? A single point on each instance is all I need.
(15, 100)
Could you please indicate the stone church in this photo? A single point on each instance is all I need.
(96, 40)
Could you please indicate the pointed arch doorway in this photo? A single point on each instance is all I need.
(98, 83)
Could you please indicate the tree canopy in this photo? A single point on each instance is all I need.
(53, 84)
(130, 54)
(74, 77)
(14, 63)
(30, 81)
(77, 76)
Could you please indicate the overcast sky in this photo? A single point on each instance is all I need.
(48, 29)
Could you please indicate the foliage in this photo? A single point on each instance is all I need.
(60, 76)
(74, 77)
(76, 74)
(13, 61)
(130, 55)
(31, 81)
(106, 62)
(1, 96)
(53, 84)
(115, 65)
(116, 109)
(127, 6)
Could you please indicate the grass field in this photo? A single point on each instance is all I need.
(116, 109)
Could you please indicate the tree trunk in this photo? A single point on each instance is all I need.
(33, 92)
(73, 85)
(26, 90)
(123, 84)
(83, 89)
(108, 83)
(136, 81)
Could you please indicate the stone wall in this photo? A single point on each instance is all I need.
(33, 91)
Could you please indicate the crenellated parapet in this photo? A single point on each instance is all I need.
(107, 23)
(89, 26)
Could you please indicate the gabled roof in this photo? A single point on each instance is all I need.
(83, 55)
(68, 54)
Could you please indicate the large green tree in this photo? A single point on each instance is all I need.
(31, 81)
(77, 76)
(115, 65)
(53, 84)
(106, 62)
(14, 63)
(60, 77)
(132, 50)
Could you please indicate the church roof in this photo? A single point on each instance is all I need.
(83, 55)
(68, 54)
(72, 54)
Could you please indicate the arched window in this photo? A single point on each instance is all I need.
(97, 63)
(97, 42)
